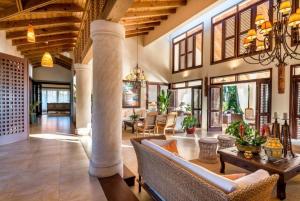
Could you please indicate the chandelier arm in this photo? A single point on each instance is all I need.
(292, 51)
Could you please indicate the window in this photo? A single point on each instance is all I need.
(187, 49)
(229, 28)
(153, 91)
(186, 84)
(56, 95)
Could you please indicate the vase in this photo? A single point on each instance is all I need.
(253, 149)
(273, 149)
(190, 130)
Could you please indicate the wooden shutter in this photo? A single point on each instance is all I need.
(263, 114)
(13, 99)
(215, 108)
(218, 40)
(244, 26)
(230, 35)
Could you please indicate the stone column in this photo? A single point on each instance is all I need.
(83, 98)
(108, 43)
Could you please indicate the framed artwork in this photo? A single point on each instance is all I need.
(131, 94)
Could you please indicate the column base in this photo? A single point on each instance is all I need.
(106, 171)
(82, 131)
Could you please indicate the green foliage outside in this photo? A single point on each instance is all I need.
(164, 101)
(231, 100)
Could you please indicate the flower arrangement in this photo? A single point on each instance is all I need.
(247, 138)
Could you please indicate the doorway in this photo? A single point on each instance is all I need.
(245, 96)
(295, 101)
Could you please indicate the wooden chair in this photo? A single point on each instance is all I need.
(148, 124)
(169, 124)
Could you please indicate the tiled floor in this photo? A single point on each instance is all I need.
(47, 167)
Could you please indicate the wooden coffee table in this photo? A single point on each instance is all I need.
(129, 123)
(285, 168)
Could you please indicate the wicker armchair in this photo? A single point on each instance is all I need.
(174, 182)
(148, 125)
(169, 124)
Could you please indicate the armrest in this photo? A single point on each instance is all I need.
(139, 139)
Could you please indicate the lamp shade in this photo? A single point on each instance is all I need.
(298, 11)
(266, 27)
(30, 34)
(259, 20)
(294, 20)
(47, 60)
(260, 45)
(285, 7)
(246, 43)
(251, 35)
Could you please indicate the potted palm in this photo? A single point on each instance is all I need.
(189, 123)
(247, 139)
(32, 110)
(164, 101)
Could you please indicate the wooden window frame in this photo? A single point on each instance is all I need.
(238, 34)
(294, 7)
(186, 52)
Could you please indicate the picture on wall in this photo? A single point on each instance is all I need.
(131, 95)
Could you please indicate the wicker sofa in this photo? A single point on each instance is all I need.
(167, 180)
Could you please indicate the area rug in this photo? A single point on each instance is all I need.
(292, 187)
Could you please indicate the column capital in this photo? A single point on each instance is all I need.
(100, 27)
(79, 66)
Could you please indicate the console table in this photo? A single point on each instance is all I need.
(129, 123)
(285, 168)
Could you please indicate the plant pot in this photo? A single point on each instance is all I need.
(253, 149)
(190, 130)
(32, 118)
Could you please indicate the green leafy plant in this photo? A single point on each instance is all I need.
(244, 134)
(164, 101)
(188, 108)
(189, 122)
(33, 106)
(231, 100)
(134, 117)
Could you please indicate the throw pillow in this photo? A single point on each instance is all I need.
(252, 178)
(234, 176)
(171, 147)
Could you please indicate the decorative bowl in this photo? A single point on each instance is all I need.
(253, 149)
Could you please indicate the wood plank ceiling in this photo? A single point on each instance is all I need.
(57, 24)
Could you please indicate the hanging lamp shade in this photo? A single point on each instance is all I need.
(259, 20)
(246, 43)
(266, 27)
(294, 20)
(47, 60)
(285, 7)
(30, 34)
(251, 35)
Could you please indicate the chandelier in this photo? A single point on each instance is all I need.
(272, 41)
(47, 60)
(137, 74)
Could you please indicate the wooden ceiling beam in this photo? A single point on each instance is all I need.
(42, 45)
(45, 39)
(134, 21)
(37, 22)
(139, 30)
(59, 8)
(136, 34)
(42, 32)
(142, 14)
(140, 26)
(47, 49)
(19, 5)
(51, 51)
(158, 4)
(27, 7)
(114, 10)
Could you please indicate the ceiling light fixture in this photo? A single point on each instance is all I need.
(30, 34)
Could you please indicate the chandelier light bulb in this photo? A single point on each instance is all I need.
(251, 35)
(259, 20)
(285, 7)
(294, 20)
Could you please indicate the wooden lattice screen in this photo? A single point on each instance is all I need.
(13, 99)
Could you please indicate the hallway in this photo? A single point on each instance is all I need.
(49, 166)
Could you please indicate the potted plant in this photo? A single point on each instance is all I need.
(247, 139)
(32, 110)
(189, 123)
(164, 101)
(134, 117)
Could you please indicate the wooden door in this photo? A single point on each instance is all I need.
(295, 108)
(263, 106)
(197, 104)
(215, 108)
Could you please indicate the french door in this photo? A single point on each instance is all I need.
(295, 108)
(196, 104)
(263, 100)
(215, 108)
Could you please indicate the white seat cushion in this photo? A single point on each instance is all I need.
(252, 178)
(223, 183)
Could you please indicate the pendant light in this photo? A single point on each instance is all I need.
(47, 60)
(30, 34)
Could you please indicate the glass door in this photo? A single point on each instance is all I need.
(263, 106)
(215, 108)
(197, 104)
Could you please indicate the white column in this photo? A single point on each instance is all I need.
(83, 98)
(108, 43)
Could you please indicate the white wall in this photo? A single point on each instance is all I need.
(55, 74)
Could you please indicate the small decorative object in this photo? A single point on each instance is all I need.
(189, 123)
(286, 137)
(247, 139)
(265, 130)
(275, 127)
(164, 101)
(248, 154)
(47, 60)
(273, 148)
